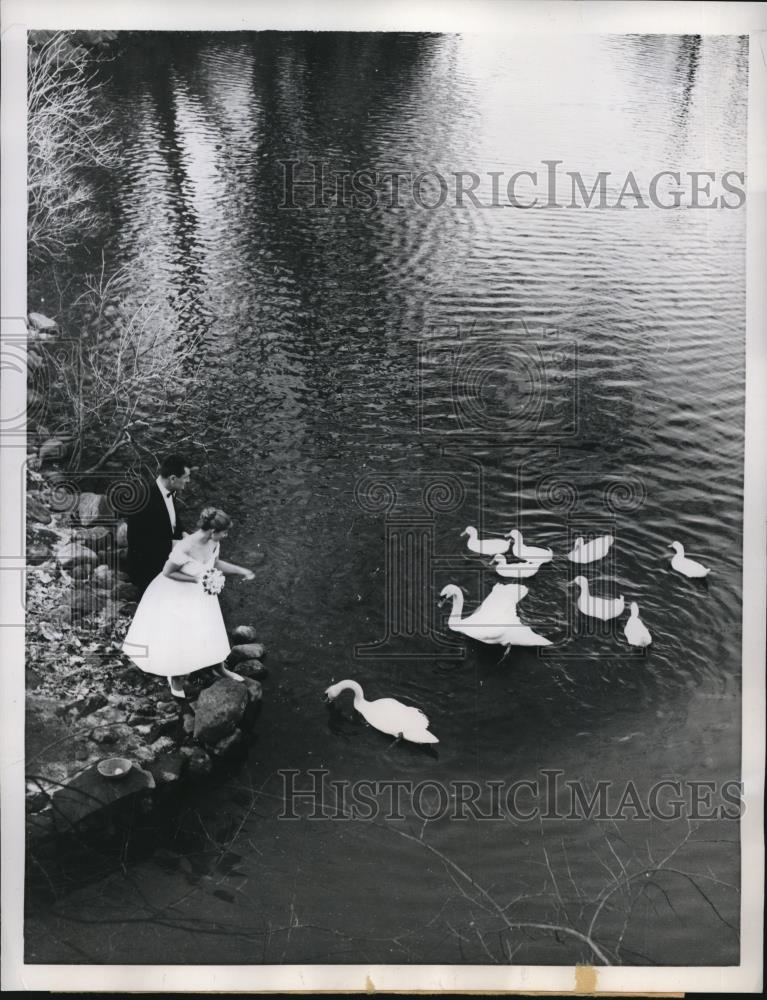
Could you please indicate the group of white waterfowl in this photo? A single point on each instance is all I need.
(496, 622)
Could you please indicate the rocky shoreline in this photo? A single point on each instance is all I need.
(85, 700)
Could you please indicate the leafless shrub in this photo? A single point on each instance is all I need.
(124, 377)
(66, 136)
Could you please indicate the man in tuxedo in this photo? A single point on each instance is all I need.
(153, 529)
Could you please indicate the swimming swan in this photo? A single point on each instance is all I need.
(495, 621)
(517, 571)
(688, 567)
(522, 551)
(485, 546)
(591, 551)
(597, 607)
(387, 714)
(635, 630)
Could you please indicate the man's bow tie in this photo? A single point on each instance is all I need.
(171, 493)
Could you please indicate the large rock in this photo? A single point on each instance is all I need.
(245, 651)
(167, 768)
(75, 554)
(122, 534)
(199, 764)
(219, 709)
(89, 792)
(37, 554)
(126, 592)
(103, 577)
(37, 512)
(251, 668)
(53, 449)
(244, 633)
(106, 715)
(86, 705)
(98, 538)
(42, 324)
(92, 507)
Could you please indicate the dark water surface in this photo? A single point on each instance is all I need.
(566, 371)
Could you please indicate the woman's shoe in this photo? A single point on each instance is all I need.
(176, 688)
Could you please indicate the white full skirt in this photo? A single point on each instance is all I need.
(177, 629)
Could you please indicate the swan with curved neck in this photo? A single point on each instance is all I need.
(387, 714)
(495, 621)
(485, 546)
(683, 564)
(603, 608)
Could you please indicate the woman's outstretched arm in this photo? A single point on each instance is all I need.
(230, 569)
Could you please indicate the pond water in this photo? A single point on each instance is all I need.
(377, 379)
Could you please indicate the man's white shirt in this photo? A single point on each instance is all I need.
(168, 502)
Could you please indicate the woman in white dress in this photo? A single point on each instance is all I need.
(178, 627)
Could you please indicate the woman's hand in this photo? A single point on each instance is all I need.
(248, 574)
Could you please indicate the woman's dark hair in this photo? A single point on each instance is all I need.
(174, 465)
(213, 519)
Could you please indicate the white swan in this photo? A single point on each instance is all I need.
(485, 546)
(387, 714)
(688, 567)
(495, 621)
(517, 571)
(635, 630)
(522, 551)
(597, 607)
(591, 551)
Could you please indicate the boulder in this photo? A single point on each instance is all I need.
(41, 324)
(42, 535)
(107, 715)
(167, 768)
(122, 534)
(92, 507)
(80, 573)
(163, 744)
(251, 668)
(53, 449)
(126, 592)
(219, 709)
(37, 511)
(103, 577)
(199, 764)
(245, 651)
(244, 633)
(144, 754)
(75, 553)
(83, 706)
(97, 538)
(88, 792)
(37, 554)
(34, 362)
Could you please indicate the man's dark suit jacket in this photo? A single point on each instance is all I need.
(150, 538)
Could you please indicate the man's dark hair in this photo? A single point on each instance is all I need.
(174, 465)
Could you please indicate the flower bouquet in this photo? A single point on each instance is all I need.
(213, 581)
